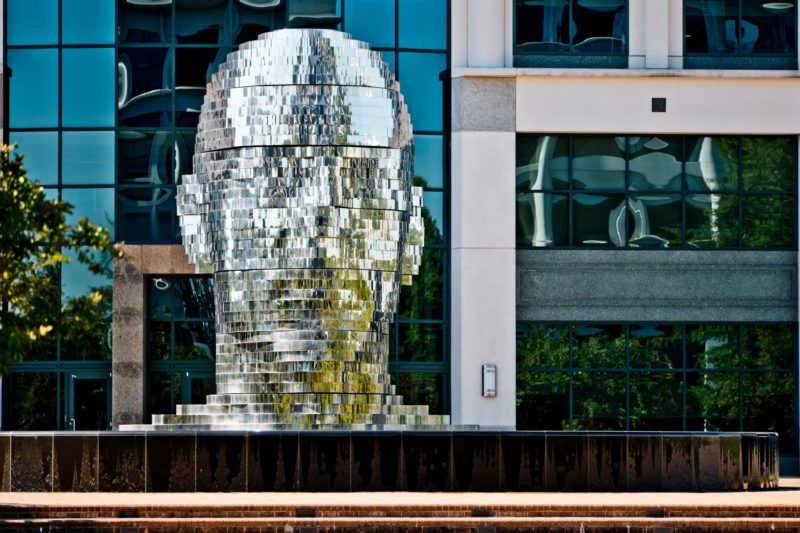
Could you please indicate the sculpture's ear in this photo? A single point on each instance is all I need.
(191, 213)
(415, 240)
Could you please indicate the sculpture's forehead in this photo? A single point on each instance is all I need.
(303, 87)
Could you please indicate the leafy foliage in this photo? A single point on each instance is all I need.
(34, 240)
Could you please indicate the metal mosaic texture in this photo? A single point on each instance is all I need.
(302, 206)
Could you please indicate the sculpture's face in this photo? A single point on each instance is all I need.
(304, 161)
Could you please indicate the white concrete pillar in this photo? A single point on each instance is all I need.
(675, 59)
(486, 29)
(483, 276)
(458, 34)
(656, 22)
(637, 32)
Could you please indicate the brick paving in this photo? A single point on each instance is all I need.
(775, 510)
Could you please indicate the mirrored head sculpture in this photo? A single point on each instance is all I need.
(302, 206)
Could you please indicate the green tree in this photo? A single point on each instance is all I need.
(34, 243)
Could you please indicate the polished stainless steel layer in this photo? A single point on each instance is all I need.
(302, 206)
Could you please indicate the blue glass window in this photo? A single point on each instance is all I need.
(201, 22)
(34, 88)
(87, 22)
(34, 22)
(78, 280)
(41, 154)
(419, 82)
(423, 24)
(87, 157)
(433, 213)
(391, 59)
(428, 160)
(371, 21)
(144, 87)
(150, 24)
(88, 87)
(95, 204)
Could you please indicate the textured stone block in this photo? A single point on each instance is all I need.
(122, 462)
(76, 461)
(32, 463)
(376, 461)
(523, 461)
(607, 469)
(324, 462)
(645, 459)
(221, 462)
(476, 461)
(272, 461)
(427, 459)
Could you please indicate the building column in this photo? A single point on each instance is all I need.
(656, 34)
(128, 354)
(483, 325)
(128, 348)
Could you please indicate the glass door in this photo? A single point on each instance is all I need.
(88, 406)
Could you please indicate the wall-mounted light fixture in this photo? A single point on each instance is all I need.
(489, 381)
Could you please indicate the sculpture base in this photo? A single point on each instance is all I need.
(343, 461)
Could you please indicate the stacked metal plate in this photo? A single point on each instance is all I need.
(302, 206)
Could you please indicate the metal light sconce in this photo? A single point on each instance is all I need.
(489, 373)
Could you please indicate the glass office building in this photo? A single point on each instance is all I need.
(610, 191)
(104, 102)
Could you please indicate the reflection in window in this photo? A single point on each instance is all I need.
(32, 405)
(422, 388)
(419, 78)
(655, 163)
(95, 204)
(35, 22)
(711, 164)
(87, 21)
(599, 220)
(599, 401)
(598, 163)
(372, 21)
(428, 160)
(543, 400)
(599, 346)
(423, 24)
(576, 27)
(740, 27)
(658, 377)
(87, 157)
(712, 220)
(433, 217)
(656, 191)
(181, 341)
(770, 404)
(712, 346)
(34, 88)
(41, 154)
(144, 24)
(144, 80)
(421, 342)
(543, 346)
(542, 162)
(424, 298)
(542, 219)
(712, 401)
(147, 158)
(147, 215)
(656, 401)
(193, 70)
(87, 93)
(654, 221)
(201, 22)
(768, 221)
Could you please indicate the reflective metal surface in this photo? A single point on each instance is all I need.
(302, 206)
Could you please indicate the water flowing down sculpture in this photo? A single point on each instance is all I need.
(302, 206)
